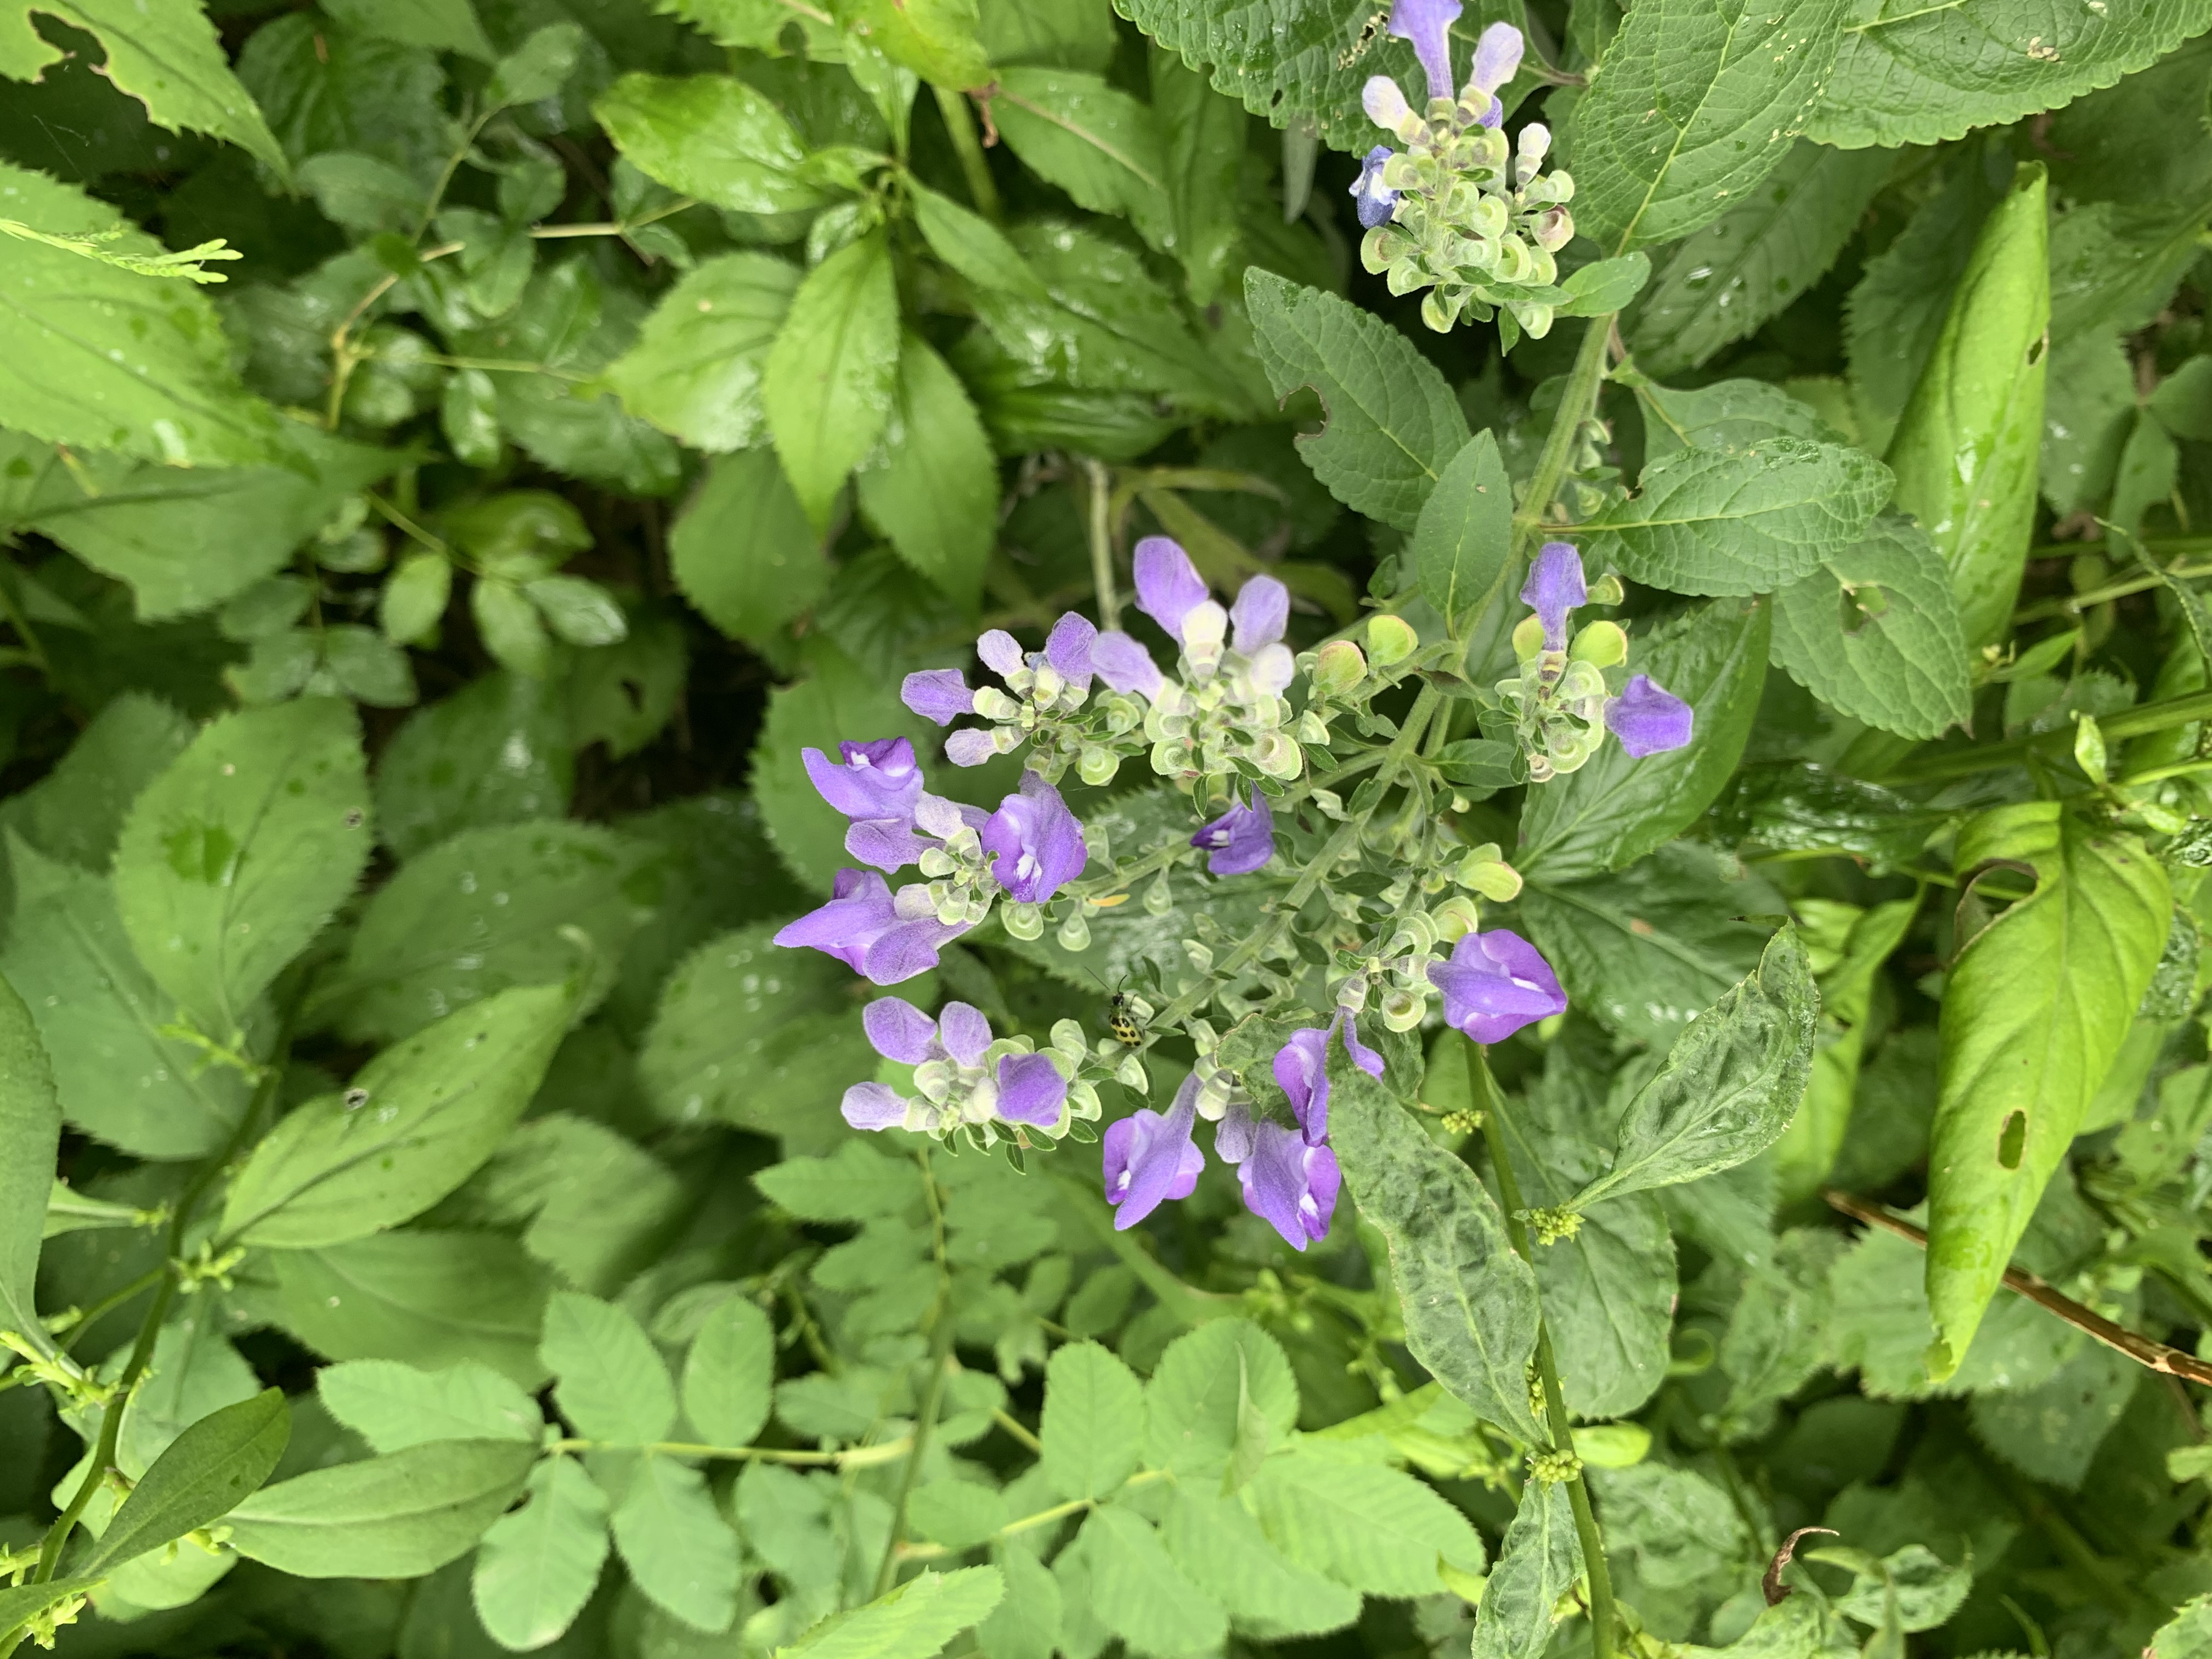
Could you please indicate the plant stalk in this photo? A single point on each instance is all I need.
(1576, 404)
(975, 167)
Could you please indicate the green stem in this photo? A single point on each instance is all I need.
(1102, 544)
(1484, 1095)
(2128, 723)
(932, 1399)
(854, 1457)
(1576, 404)
(975, 167)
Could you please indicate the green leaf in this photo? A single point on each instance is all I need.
(914, 1621)
(1462, 539)
(1605, 286)
(1725, 281)
(1737, 520)
(26, 1602)
(232, 859)
(1469, 1304)
(695, 369)
(579, 611)
(2035, 1008)
(76, 813)
(1371, 1528)
(972, 245)
(536, 69)
(30, 1134)
(508, 625)
(679, 1550)
(2114, 266)
(1537, 1565)
(935, 497)
(1201, 152)
(857, 1184)
(1096, 142)
(1220, 1548)
(429, 1298)
(1694, 103)
(165, 53)
(1093, 1428)
(2052, 1433)
(610, 1381)
(1193, 1420)
(1914, 74)
(1026, 1624)
(1807, 1153)
(204, 1474)
(98, 357)
(1727, 415)
(440, 24)
(712, 137)
(393, 1407)
(1391, 423)
(935, 38)
(1138, 1592)
(832, 377)
(742, 552)
(496, 752)
(958, 1513)
(1646, 948)
(1616, 809)
(416, 1122)
(398, 1516)
(489, 910)
(728, 1374)
(1967, 448)
(121, 1076)
(2188, 1634)
(539, 1564)
(1731, 1083)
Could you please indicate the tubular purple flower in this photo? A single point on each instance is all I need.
(971, 746)
(1427, 24)
(1497, 57)
(886, 843)
(1125, 665)
(1068, 648)
(1035, 841)
(1376, 204)
(1290, 1185)
(1496, 983)
(880, 780)
(1149, 1158)
(1300, 1066)
(1000, 651)
(1387, 107)
(873, 1106)
(1261, 612)
(1241, 840)
(1648, 720)
(1232, 1136)
(1169, 586)
(1554, 589)
(963, 1032)
(863, 928)
(1031, 1090)
(937, 693)
(898, 1030)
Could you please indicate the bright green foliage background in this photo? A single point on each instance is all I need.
(412, 631)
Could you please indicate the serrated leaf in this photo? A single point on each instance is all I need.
(1221, 1548)
(935, 38)
(1538, 1563)
(855, 1183)
(610, 1381)
(832, 374)
(1093, 1427)
(696, 367)
(1192, 1421)
(1369, 1527)
(1692, 104)
(1139, 1593)
(743, 552)
(914, 1621)
(1095, 142)
(199, 1478)
(936, 494)
(1874, 632)
(1391, 424)
(394, 1406)
(713, 138)
(1462, 537)
(398, 1516)
(497, 752)
(729, 1372)
(679, 1550)
(540, 1563)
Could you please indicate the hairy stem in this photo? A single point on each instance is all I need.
(1101, 543)
(1576, 405)
(975, 167)
(1483, 1093)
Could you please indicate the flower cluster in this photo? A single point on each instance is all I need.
(1024, 852)
(1561, 706)
(965, 1078)
(1458, 211)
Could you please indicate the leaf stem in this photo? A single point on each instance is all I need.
(1576, 404)
(853, 1457)
(1102, 544)
(1484, 1095)
(975, 166)
(944, 1324)
(2128, 723)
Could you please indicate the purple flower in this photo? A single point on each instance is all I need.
(1125, 665)
(971, 746)
(1495, 983)
(1031, 1090)
(1377, 203)
(1169, 586)
(937, 693)
(1649, 721)
(1385, 106)
(878, 780)
(1261, 612)
(1028, 1088)
(1427, 24)
(1497, 60)
(1035, 841)
(1555, 587)
(883, 938)
(1150, 1159)
(1290, 1185)
(1302, 1067)
(1068, 648)
(1241, 840)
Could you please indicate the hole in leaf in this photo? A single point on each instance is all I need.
(2011, 1140)
(2035, 352)
(1862, 604)
(1988, 893)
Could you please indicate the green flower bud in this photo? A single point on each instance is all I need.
(1075, 932)
(1601, 644)
(1606, 590)
(1402, 1010)
(1485, 870)
(1390, 640)
(1455, 918)
(1338, 666)
(1528, 638)
(1097, 765)
(1023, 921)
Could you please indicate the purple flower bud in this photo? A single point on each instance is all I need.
(1261, 612)
(1290, 1185)
(1035, 843)
(1232, 1136)
(1649, 721)
(963, 1032)
(878, 780)
(1377, 204)
(1169, 586)
(1497, 57)
(1427, 24)
(1068, 648)
(873, 1106)
(1150, 1159)
(1302, 1067)
(1496, 983)
(1241, 840)
(886, 843)
(1031, 1090)
(1000, 651)
(1554, 589)
(1387, 107)
(1125, 665)
(937, 693)
(898, 1030)
(862, 927)
(971, 746)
